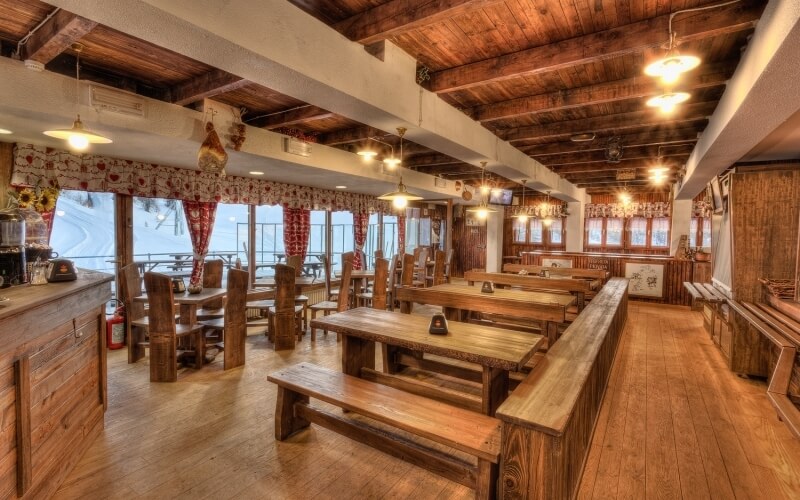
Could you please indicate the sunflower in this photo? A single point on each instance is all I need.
(26, 198)
(47, 200)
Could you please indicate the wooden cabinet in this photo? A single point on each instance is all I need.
(52, 381)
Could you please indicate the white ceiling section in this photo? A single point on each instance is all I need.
(275, 44)
(762, 95)
(171, 135)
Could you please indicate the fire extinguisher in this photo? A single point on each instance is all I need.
(115, 327)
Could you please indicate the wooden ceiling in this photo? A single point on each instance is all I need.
(534, 72)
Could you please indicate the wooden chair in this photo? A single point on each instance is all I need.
(438, 270)
(212, 278)
(233, 325)
(164, 333)
(396, 261)
(407, 279)
(342, 302)
(284, 318)
(334, 294)
(296, 262)
(448, 261)
(136, 321)
(421, 269)
(378, 291)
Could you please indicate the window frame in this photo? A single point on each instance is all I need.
(546, 243)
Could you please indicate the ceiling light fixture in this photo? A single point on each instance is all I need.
(585, 137)
(5, 131)
(482, 210)
(485, 189)
(401, 197)
(391, 162)
(614, 150)
(256, 172)
(341, 187)
(673, 64)
(78, 137)
(545, 208)
(667, 101)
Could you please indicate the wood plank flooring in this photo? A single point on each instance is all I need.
(675, 423)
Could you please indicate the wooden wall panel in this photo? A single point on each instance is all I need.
(469, 247)
(6, 164)
(675, 271)
(764, 208)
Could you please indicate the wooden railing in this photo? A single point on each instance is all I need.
(549, 419)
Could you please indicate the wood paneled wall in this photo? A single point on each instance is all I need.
(675, 271)
(469, 247)
(6, 164)
(764, 208)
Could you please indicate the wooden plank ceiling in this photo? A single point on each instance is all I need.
(536, 73)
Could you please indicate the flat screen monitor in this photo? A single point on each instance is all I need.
(501, 197)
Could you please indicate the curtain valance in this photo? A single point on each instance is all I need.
(651, 209)
(38, 165)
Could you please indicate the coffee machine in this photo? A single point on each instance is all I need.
(12, 248)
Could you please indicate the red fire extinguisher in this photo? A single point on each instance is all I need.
(115, 328)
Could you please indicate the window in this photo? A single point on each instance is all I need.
(536, 231)
(604, 232)
(520, 230)
(389, 235)
(638, 230)
(556, 230)
(78, 215)
(700, 231)
(659, 233)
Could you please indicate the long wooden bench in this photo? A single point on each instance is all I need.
(784, 333)
(549, 418)
(466, 431)
(574, 272)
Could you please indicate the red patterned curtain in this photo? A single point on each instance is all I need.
(401, 232)
(200, 219)
(360, 226)
(296, 228)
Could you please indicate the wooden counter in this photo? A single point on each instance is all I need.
(52, 380)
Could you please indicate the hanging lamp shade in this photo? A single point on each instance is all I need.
(79, 137)
(482, 211)
(667, 101)
(670, 68)
(401, 197)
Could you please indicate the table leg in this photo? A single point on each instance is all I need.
(495, 389)
(356, 354)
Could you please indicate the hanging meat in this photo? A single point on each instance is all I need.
(212, 156)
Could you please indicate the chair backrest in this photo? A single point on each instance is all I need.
(236, 318)
(296, 262)
(448, 261)
(159, 296)
(396, 260)
(378, 254)
(343, 302)
(212, 278)
(284, 287)
(423, 258)
(416, 253)
(326, 273)
(130, 283)
(379, 290)
(438, 268)
(407, 277)
(364, 263)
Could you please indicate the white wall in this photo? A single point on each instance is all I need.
(681, 221)
(494, 242)
(575, 227)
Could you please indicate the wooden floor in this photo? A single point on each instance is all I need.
(675, 423)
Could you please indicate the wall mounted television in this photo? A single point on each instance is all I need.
(501, 197)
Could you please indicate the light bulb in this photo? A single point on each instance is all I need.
(485, 189)
(671, 71)
(78, 141)
(523, 217)
(368, 154)
(399, 202)
(667, 107)
(482, 213)
(391, 163)
(547, 221)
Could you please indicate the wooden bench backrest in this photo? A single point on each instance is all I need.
(438, 268)
(558, 271)
(529, 281)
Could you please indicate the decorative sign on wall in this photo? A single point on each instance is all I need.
(548, 262)
(646, 280)
(296, 147)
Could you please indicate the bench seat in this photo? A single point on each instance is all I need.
(464, 430)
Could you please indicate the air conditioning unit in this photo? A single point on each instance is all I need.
(116, 101)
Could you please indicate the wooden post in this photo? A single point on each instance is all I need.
(380, 232)
(328, 243)
(251, 244)
(448, 229)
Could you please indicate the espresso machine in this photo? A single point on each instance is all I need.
(12, 248)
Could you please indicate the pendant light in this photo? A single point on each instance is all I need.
(401, 197)
(547, 220)
(483, 209)
(485, 189)
(658, 171)
(667, 101)
(522, 215)
(78, 137)
(672, 65)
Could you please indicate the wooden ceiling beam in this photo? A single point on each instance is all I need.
(595, 47)
(617, 122)
(623, 184)
(430, 160)
(630, 153)
(615, 190)
(291, 117)
(707, 76)
(213, 83)
(56, 36)
(349, 136)
(396, 17)
(452, 169)
(639, 163)
(655, 138)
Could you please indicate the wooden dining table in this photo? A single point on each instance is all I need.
(190, 302)
(301, 283)
(577, 287)
(458, 301)
(405, 337)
